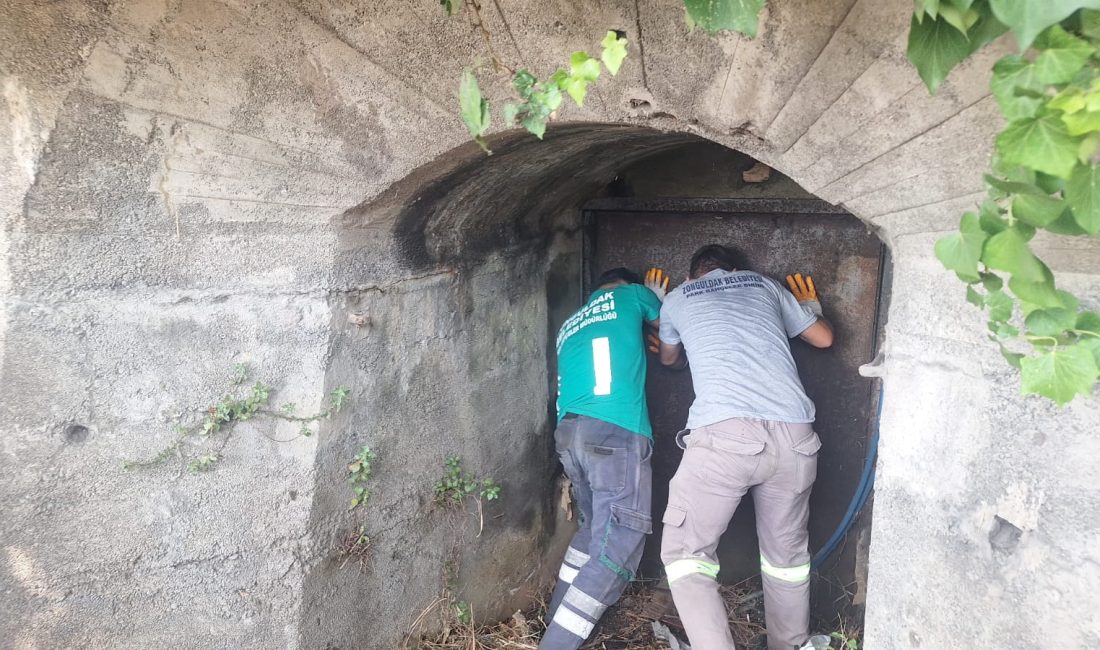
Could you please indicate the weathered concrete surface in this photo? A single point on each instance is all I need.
(176, 190)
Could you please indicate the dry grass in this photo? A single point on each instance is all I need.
(627, 625)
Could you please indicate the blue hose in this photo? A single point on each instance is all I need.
(866, 483)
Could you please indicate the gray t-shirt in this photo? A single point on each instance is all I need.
(735, 328)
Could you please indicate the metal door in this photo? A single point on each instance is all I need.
(776, 237)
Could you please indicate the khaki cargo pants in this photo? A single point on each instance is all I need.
(777, 462)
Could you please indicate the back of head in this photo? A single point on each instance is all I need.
(620, 274)
(711, 257)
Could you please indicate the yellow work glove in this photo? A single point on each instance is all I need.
(805, 292)
(656, 281)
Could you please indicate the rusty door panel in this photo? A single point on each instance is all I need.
(776, 238)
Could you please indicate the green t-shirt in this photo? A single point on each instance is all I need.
(601, 358)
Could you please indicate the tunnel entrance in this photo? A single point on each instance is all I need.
(493, 254)
(776, 236)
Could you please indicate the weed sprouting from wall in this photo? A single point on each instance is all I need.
(200, 442)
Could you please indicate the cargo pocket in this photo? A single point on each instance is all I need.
(607, 468)
(632, 519)
(806, 462)
(735, 461)
(674, 516)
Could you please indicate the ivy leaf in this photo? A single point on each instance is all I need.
(1041, 143)
(930, 7)
(474, 108)
(717, 15)
(1005, 188)
(1006, 331)
(1081, 123)
(535, 124)
(524, 83)
(991, 222)
(1041, 292)
(582, 66)
(614, 52)
(510, 111)
(1050, 322)
(961, 251)
(1083, 196)
(582, 70)
(935, 47)
(1062, 55)
(1013, 358)
(1090, 23)
(962, 5)
(448, 6)
(992, 282)
(1037, 210)
(961, 20)
(973, 297)
(1011, 75)
(1092, 345)
(1065, 225)
(1069, 100)
(1049, 184)
(1027, 18)
(1000, 306)
(1061, 373)
(576, 88)
(1008, 251)
(1088, 321)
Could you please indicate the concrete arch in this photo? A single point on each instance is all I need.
(180, 191)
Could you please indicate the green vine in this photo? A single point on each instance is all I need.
(359, 472)
(199, 443)
(357, 543)
(1045, 177)
(538, 100)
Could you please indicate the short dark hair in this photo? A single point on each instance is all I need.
(621, 273)
(714, 256)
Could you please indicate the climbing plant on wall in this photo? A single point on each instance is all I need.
(537, 101)
(1044, 178)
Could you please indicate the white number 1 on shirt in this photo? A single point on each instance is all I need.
(601, 363)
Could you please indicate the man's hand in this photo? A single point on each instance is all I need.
(653, 344)
(805, 292)
(656, 281)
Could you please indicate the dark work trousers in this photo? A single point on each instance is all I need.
(612, 480)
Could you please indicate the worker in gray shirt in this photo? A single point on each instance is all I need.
(750, 431)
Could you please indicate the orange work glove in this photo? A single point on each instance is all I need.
(656, 281)
(805, 292)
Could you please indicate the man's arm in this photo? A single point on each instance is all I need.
(820, 333)
(672, 355)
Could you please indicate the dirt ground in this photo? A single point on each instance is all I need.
(627, 625)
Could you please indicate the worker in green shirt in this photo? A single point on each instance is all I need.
(605, 442)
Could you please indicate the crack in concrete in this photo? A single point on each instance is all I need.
(165, 170)
(641, 46)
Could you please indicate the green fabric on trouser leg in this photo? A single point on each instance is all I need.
(681, 568)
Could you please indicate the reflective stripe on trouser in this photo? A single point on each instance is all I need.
(572, 564)
(611, 476)
(778, 463)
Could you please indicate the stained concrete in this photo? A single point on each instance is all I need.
(190, 184)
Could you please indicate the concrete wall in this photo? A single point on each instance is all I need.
(190, 184)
